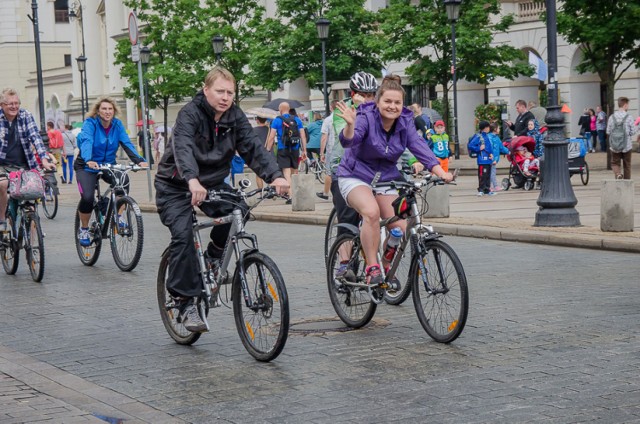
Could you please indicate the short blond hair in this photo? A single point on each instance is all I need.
(7, 92)
(93, 112)
(218, 72)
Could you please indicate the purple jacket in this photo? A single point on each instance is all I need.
(373, 150)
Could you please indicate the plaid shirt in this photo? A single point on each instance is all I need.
(28, 134)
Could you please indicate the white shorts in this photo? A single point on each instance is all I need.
(347, 184)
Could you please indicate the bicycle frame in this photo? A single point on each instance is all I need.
(112, 193)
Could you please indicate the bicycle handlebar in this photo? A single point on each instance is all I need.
(118, 167)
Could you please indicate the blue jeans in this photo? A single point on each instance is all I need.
(65, 165)
(603, 142)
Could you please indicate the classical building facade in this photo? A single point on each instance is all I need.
(103, 22)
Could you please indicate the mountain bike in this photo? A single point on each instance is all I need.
(313, 165)
(23, 232)
(436, 275)
(258, 292)
(115, 216)
(50, 199)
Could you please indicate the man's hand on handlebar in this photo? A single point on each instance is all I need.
(46, 164)
(143, 165)
(198, 193)
(281, 185)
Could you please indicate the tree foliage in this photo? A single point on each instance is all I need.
(289, 47)
(421, 34)
(608, 32)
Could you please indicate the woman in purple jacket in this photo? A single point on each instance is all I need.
(374, 138)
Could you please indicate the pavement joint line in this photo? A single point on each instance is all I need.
(61, 385)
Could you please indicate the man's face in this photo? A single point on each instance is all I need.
(11, 107)
(598, 109)
(220, 94)
(521, 108)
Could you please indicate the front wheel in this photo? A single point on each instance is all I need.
(127, 234)
(261, 314)
(9, 248)
(50, 202)
(440, 293)
(89, 254)
(584, 175)
(346, 264)
(330, 233)
(34, 246)
(168, 309)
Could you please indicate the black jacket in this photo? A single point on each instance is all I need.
(202, 148)
(519, 127)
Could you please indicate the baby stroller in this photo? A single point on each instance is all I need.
(517, 177)
(577, 150)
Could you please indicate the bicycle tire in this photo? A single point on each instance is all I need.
(10, 251)
(89, 255)
(584, 175)
(318, 171)
(330, 233)
(49, 202)
(352, 304)
(126, 242)
(402, 274)
(34, 248)
(168, 311)
(443, 315)
(264, 327)
(303, 167)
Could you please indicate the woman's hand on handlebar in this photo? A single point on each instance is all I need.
(417, 168)
(198, 193)
(143, 165)
(281, 185)
(93, 165)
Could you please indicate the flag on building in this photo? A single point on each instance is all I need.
(539, 65)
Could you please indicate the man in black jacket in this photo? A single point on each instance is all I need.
(208, 132)
(519, 127)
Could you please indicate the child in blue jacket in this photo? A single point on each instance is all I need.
(481, 144)
(498, 149)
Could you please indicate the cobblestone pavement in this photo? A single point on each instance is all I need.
(552, 336)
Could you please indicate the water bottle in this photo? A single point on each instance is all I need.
(395, 235)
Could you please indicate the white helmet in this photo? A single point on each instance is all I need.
(363, 82)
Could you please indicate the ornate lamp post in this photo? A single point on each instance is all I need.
(82, 67)
(75, 12)
(36, 42)
(322, 25)
(556, 199)
(218, 45)
(453, 13)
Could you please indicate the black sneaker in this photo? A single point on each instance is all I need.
(322, 195)
(191, 319)
(288, 202)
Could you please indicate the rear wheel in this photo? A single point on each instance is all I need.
(9, 248)
(584, 175)
(303, 166)
(263, 325)
(168, 308)
(352, 304)
(49, 201)
(35, 248)
(89, 255)
(330, 233)
(440, 293)
(402, 274)
(127, 234)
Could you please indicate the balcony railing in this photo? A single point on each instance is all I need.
(530, 11)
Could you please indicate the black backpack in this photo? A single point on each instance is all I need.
(290, 132)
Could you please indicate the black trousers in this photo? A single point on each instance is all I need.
(87, 183)
(484, 178)
(175, 210)
(346, 215)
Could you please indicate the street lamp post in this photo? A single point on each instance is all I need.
(453, 13)
(36, 42)
(82, 63)
(145, 57)
(218, 45)
(322, 25)
(75, 11)
(557, 200)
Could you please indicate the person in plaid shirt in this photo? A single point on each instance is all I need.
(18, 134)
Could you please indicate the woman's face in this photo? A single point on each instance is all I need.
(106, 111)
(390, 104)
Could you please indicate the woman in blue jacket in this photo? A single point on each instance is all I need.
(374, 138)
(102, 133)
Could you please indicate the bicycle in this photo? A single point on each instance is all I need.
(121, 224)
(23, 232)
(436, 274)
(316, 166)
(258, 292)
(50, 199)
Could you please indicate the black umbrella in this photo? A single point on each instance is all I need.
(274, 104)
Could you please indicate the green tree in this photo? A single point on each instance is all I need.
(421, 34)
(607, 32)
(289, 47)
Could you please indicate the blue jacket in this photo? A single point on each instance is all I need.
(372, 150)
(497, 146)
(483, 155)
(95, 145)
